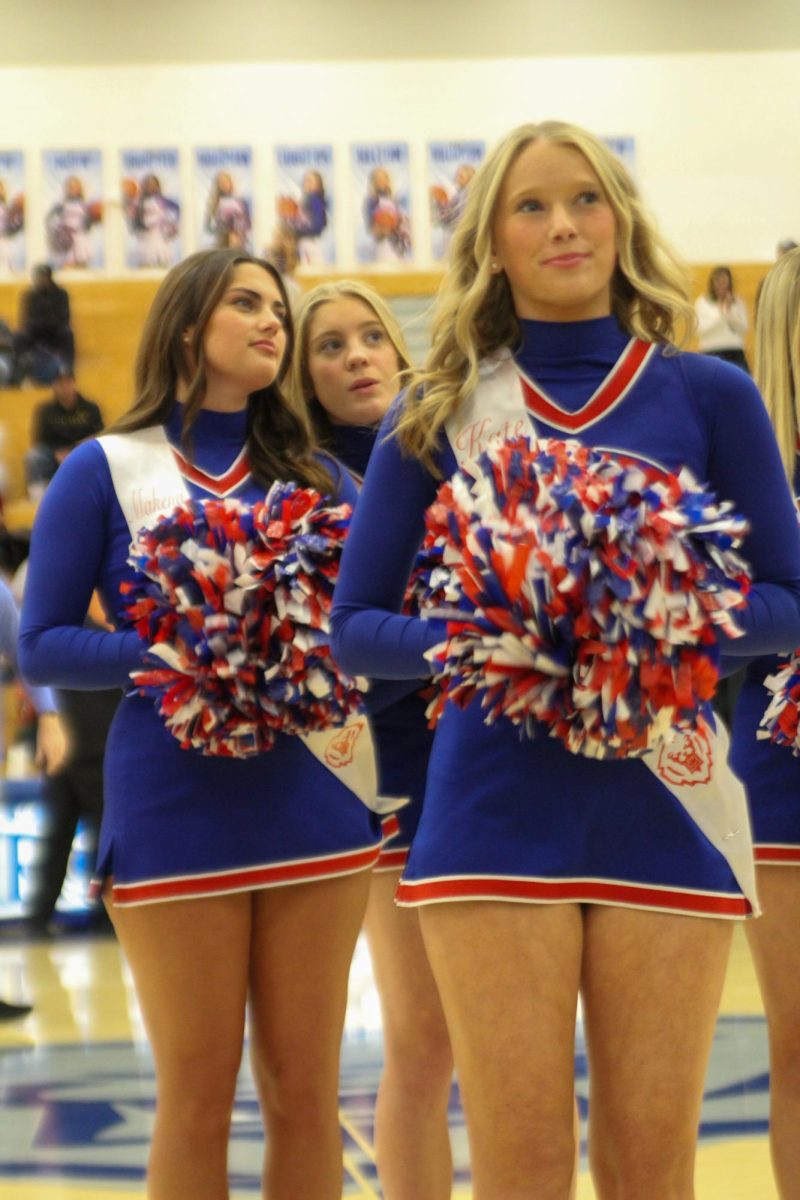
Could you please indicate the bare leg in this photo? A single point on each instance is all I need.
(189, 960)
(412, 1138)
(651, 989)
(775, 945)
(508, 976)
(303, 941)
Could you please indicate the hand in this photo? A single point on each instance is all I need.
(52, 744)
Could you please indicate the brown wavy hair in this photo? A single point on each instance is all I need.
(280, 444)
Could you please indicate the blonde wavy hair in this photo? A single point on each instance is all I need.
(300, 387)
(473, 314)
(777, 357)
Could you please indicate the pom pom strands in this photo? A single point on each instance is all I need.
(582, 594)
(235, 602)
(781, 721)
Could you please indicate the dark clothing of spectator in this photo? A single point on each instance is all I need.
(60, 428)
(58, 425)
(44, 330)
(74, 794)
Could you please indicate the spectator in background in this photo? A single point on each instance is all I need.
(722, 320)
(51, 741)
(73, 795)
(58, 425)
(785, 246)
(44, 342)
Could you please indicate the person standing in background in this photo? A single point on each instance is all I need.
(350, 360)
(52, 747)
(722, 320)
(771, 773)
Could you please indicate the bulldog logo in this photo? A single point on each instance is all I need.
(340, 750)
(688, 760)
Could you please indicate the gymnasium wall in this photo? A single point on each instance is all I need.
(708, 92)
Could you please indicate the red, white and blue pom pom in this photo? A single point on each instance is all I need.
(583, 594)
(781, 721)
(235, 600)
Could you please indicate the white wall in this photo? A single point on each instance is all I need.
(718, 149)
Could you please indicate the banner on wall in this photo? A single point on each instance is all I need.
(72, 192)
(451, 166)
(150, 187)
(304, 205)
(382, 202)
(12, 211)
(223, 197)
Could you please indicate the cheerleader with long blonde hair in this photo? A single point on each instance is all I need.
(770, 773)
(540, 874)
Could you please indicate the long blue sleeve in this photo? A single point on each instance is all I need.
(745, 467)
(688, 411)
(369, 635)
(79, 543)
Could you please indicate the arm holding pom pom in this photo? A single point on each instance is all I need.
(369, 635)
(745, 467)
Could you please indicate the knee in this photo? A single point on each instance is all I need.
(296, 1095)
(629, 1165)
(198, 1097)
(419, 1057)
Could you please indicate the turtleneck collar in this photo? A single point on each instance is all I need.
(353, 444)
(209, 425)
(553, 341)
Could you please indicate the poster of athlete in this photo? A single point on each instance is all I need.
(451, 166)
(72, 191)
(304, 204)
(12, 211)
(382, 202)
(150, 189)
(223, 197)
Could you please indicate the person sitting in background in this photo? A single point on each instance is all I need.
(58, 425)
(44, 342)
(722, 320)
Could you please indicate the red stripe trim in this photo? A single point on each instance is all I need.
(614, 388)
(192, 887)
(777, 855)
(573, 891)
(392, 860)
(218, 485)
(390, 826)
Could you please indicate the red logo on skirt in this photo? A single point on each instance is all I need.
(340, 750)
(688, 760)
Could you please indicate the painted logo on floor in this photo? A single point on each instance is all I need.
(86, 1112)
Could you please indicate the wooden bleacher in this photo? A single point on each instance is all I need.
(108, 315)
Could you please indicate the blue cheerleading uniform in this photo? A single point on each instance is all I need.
(521, 819)
(177, 824)
(402, 738)
(770, 773)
